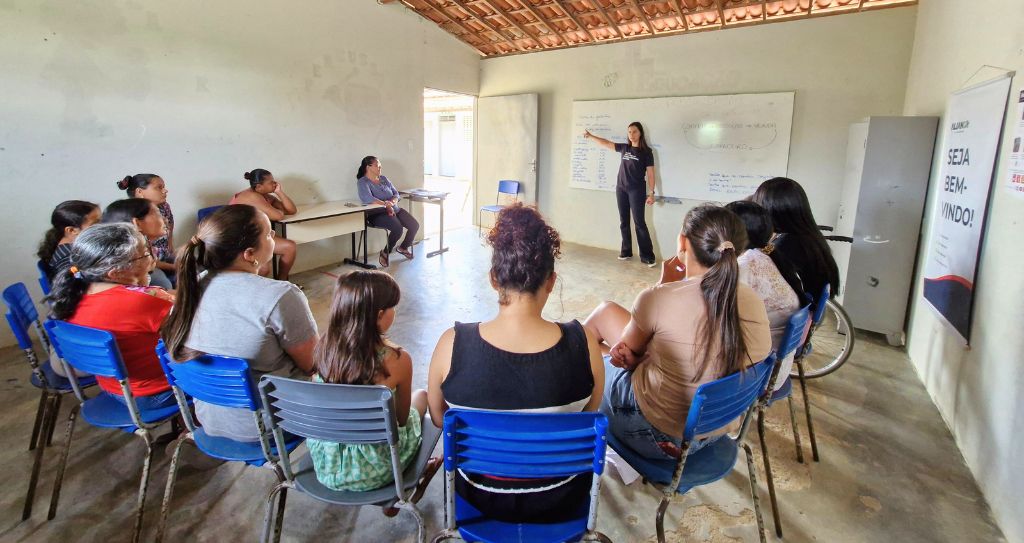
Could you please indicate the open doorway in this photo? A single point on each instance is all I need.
(448, 125)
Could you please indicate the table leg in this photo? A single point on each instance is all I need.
(442, 248)
(364, 264)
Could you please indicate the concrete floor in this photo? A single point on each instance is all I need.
(889, 468)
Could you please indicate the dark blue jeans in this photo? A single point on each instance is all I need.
(627, 423)
(146, 403)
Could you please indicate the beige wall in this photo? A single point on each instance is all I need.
(199, 92)
(842, 69)
(979, 389)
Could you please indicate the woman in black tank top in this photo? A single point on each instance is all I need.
(519, 362)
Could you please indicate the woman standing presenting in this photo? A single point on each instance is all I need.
(635, 186)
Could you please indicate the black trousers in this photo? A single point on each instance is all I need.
(633, 201)
(394, 224)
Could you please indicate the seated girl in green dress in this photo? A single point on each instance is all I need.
(354, 351)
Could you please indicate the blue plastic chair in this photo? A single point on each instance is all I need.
(21, 316)
(526, 446)
(95, 351)
(225, 381)
(44, 276)
(341, 414)
(715, 405)
(204, 212)
(508, 193)
(792, 340)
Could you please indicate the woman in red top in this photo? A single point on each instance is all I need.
(106, 287)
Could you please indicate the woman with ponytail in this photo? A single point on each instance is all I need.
(66, 222)
(698, 324)
(233, 311)
(769, 273)
(153, 188)
(267, 195)
(375, 188)
(105, 287)
(143, 215)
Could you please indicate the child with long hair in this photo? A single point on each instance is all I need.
(355, 351)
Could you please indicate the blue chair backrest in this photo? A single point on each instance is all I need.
(508, 187)
(20, 330)
(819, 305)
(44, 276)
(337, 413)
(204, 212)
(87, 349)
(218, 380)
(793, 337)
(524, 445)
(18, 300)
(720, 402)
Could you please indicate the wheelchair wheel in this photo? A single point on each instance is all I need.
(829, 344)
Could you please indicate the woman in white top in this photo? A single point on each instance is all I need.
(769, 274)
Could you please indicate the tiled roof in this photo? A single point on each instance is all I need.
(506, 27)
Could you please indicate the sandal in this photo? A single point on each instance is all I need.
(406, 252)
(383, 259)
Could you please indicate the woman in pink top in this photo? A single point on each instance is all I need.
(699, 323)
(267, 195)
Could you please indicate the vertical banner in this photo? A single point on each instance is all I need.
(1015, 163)
(973, 124)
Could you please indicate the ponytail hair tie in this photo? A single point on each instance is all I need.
(724, 246)
(768, 249)
(75, 272)
(196, 240)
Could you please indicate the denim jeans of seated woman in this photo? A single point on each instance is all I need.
(146, 403)
(627, 423)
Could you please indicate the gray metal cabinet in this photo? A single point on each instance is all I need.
(887, 167)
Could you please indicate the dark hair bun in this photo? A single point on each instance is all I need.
(525, 249)
(123, 184)
(247, 176)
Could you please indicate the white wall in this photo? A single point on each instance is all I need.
(979, 389)
(200, 92)
(842, 69)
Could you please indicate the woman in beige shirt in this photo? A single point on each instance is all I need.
(699, 323)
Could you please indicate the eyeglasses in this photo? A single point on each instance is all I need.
(146, 254)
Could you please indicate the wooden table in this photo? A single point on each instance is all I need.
(313, 222)
(428, 197)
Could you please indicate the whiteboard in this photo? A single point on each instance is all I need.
(715, 148)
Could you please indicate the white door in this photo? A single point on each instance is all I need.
(506, 147)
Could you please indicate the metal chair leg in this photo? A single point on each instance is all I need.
(55, 497)
(768, 473)
(143, 486)
(753, 493)
(172, 473)
(39, 419)
(807, 410)
(268, 517)
(38, 437)
(279, 524)
(659, 520)
(796, 430)
(54, 414)
(420, 528)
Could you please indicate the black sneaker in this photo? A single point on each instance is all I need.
(649, 263)
(624, 257)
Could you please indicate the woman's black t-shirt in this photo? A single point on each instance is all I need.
(633, 168)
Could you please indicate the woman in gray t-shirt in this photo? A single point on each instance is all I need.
(232, 311)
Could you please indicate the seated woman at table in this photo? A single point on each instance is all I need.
(267, 195)
(375, 188)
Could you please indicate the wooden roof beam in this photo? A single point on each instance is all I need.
(489, 26)
(600, 9)
(540, 18)
(644, 19)
(575, 21)
(455, 22)
(512, 21)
